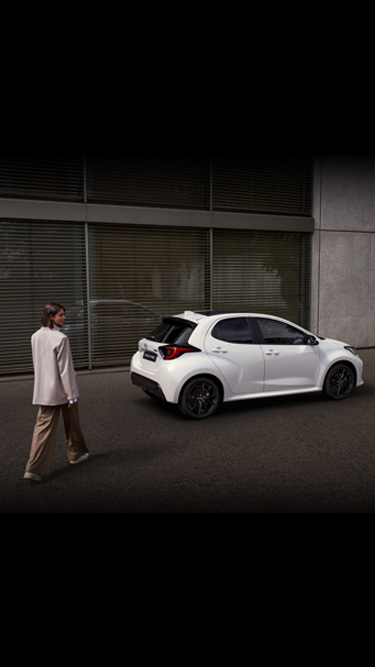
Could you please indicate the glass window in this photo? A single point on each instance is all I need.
(172, 333)
(138, 276)
(281, 333)
(58, 177)
(141, 180)
(236, 330)
(40, 262)
(262, 272)
(264, 183)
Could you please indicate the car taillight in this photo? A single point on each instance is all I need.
(169, 352)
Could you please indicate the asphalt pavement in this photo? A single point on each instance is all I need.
(301, 454)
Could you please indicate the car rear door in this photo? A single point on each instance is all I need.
(231, 346)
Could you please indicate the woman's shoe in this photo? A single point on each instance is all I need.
(81, 458)
(33, 476)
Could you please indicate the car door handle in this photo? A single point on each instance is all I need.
(219, 350)
(271, 353)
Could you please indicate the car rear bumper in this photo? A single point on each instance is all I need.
(150, 386)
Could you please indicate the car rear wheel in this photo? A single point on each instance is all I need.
(339, 382)
(200, 398)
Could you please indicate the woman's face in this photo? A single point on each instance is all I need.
(59, 318)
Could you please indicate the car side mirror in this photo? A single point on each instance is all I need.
(311, 340)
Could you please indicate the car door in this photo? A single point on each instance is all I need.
(230, 345)
(291, 362)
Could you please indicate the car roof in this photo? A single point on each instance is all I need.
(196, 317)
(208, 317)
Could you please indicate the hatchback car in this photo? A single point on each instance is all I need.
(199, 360)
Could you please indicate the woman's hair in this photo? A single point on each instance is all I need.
(50, 309)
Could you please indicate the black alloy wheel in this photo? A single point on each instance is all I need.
(339, 382)
(200, 398)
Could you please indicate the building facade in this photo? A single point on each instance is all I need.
(343, 248)
(121, 241)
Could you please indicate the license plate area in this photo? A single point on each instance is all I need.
(150, 356)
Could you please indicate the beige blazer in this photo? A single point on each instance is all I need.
(54, 375)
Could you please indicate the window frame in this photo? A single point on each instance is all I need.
(265, 341)
(252, 333)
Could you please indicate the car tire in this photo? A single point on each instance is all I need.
(340, 382)
(200, 398)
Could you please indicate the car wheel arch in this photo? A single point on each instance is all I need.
(209, 376)
(341, 362)
(330, 391)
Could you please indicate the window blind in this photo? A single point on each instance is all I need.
(162, 181)
(137, 276)
(263, 272)
(40, 262)
(48, 177)
(265, 184)
(268, 184)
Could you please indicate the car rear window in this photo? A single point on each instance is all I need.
(172, 332)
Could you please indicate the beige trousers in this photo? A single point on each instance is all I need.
(42, 446)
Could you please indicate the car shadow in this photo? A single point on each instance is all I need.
(295, 399)
(171, 411)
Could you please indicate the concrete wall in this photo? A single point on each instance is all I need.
(343, 253)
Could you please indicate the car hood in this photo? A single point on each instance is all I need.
(333, 341)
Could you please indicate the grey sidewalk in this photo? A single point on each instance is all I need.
(301, 454)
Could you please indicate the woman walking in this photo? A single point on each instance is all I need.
(55, 389)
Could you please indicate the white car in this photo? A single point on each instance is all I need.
(199, 360)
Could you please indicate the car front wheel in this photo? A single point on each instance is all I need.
(339, 382)
(200, 398)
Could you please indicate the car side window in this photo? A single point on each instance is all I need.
(236, 330)
(281, 333)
